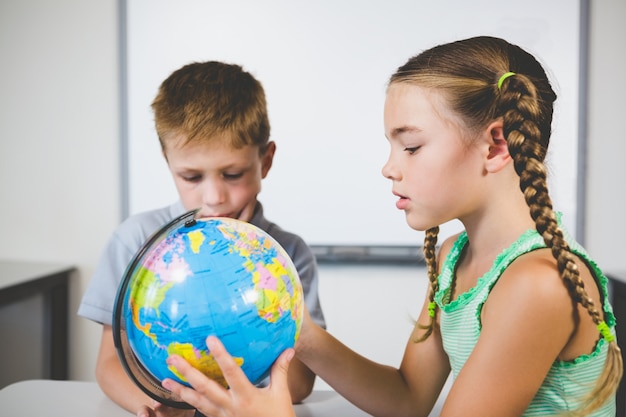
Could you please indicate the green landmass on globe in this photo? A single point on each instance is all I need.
(213, 276)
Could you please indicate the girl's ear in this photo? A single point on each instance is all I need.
(498, 156)
(267, 158)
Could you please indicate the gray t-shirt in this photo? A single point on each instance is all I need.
(98, 301)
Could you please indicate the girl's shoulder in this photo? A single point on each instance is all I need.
(533, 279)
(446, 247)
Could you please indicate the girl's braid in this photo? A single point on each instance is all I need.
(527, 151)
(430, 256)
(521, 110)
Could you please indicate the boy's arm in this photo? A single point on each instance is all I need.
(300, 380)
(116, 384)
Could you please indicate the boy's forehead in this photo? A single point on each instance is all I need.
(202, 155)
(221, 141)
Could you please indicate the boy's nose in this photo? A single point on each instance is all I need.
(214, 193)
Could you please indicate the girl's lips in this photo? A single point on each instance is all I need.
(402, 203)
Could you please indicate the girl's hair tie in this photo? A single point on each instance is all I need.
(605, 331)
(504, 77)
(431, 309)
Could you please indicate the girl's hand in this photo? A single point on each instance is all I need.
(242, 399)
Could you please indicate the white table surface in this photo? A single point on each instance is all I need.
(37, 398)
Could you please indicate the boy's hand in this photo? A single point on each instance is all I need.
(247, 213)
(160, 410)
(242, 399)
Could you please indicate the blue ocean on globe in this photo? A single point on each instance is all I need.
(213, 276)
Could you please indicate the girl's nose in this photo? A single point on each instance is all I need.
(389, 171)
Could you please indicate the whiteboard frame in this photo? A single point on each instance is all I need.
(326, 248)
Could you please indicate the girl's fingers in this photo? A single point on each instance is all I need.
(190, 396)
(234, 375)
(243, 398)
(206, 394)
(280, 368)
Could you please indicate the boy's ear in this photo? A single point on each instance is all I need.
(498, 156)
(267, 158)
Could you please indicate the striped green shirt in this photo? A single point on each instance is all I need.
(567, 382)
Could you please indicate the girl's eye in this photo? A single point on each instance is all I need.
(411, 150)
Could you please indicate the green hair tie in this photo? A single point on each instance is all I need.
(431, 309)
(504, 77)
(605, 331)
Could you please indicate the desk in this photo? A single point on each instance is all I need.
(20, 280)
(85, 399)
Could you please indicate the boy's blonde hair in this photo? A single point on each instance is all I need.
(212, 101)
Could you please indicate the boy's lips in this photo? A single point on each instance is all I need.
(216, 215)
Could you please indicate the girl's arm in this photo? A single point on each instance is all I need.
(378, 389)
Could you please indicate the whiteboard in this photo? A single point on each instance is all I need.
(324, 65)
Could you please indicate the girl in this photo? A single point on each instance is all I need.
(516, 308)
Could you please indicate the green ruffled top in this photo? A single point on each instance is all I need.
(567, 382)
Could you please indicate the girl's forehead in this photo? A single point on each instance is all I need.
(408, 94)
(407, 103)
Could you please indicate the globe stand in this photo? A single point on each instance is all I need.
(135, 370)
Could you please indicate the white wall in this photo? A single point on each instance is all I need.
(59, 165)
(371, 308)
(59, 151)
(606, 188)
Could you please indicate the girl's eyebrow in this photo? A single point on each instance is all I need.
(404, 129)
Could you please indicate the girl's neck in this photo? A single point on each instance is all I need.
(491, 234)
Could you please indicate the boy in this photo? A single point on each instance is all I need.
(212, 123)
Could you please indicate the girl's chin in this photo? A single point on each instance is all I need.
(417, 224)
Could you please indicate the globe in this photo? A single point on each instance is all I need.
(201, 277)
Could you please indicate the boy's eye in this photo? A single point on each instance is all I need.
(411, 150)
(192, 178)
(232, 176)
